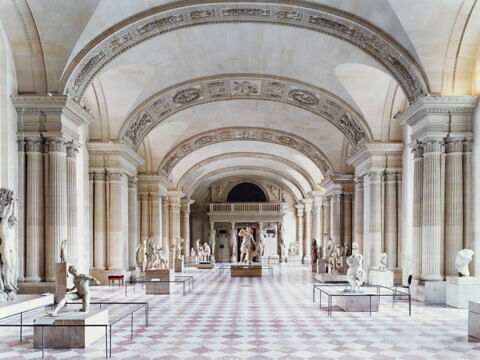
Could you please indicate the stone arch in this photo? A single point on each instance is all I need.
(305, 15)
(182, 96)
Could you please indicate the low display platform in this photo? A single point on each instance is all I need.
(461, 290)
(24, 303)
(331, 278)
(474, 319)
(357, 302)
(379, 277)
(178, 265)
(205, 265)
(246, 270)
(161, 287)
(70, 337)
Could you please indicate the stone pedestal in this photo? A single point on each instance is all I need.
(205, 265)
(430, 292)
(36, 287)
(474, 319)
(384, 278)
(355, 303)
(191, 260)
(178, 265)
(102, 275)
(294, 259)
(461, 290)
(331, 278)
(322, 267)
(246, 271)
(63, 281)
(314, 268)
(71, 337)
(159, 288)
(24, 303)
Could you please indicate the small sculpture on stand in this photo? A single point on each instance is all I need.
(382, 265)
(178, 247)
(462, 260)
(8, 254)
(355, 272)
(355, 248)
(207, 251)
(63, 252)
(141, 255)
(81, 284)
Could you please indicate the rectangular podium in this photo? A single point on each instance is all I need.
(24, 303)
(70, 337)
(246, 271)
(358, 303)
(161, 287)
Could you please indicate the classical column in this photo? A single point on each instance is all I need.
(156, 217)
(99, 222)
(21, 212)
(173, 199)
(375, 217)
(336, 217)
(467, 199)
(144, 217)
(358, 212)
(132, 222)
(185, 224)
(299, 208)
(317, 217)
(56, 215)
(453, 203)
(72, 248)
(34, 211)
(165, 224)
(307, 243)
(347, 221)
(233, 243)
(432, 249)
(417, 208)
(117, 244)
(326, 220)
(391, 219)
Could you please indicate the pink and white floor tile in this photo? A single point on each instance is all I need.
(264, 318)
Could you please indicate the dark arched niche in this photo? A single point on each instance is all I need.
(246, 192)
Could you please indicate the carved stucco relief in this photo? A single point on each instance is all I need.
(132, 31)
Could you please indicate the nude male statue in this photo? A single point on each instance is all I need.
(7, 247)
(80, 283)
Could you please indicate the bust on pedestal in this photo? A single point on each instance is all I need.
(380, 275)
(463, 288)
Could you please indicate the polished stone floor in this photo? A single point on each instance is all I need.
(263, 318)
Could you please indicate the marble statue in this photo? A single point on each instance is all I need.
(261, 240)
(355, 248)
(249, 248)
(281, 241)
(212, 241)
(193, 252)
(382, 265)
(81, 285)
(159, 258)
(293, 249)
(462, 260)
(355, 272)
(207, 252)
(335, 258)
(314, 251)
(8, 254)
(63, 252)
(141, 255)
(178, 247)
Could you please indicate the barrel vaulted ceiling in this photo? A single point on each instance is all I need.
(206, 90)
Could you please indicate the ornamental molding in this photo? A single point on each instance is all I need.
(164, 104)
(199, 141)
(301, 14)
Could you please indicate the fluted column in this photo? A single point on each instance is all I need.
(317, 217)
(391, 219)
(453, 203)
(185, 225)
(99, 222)
(307, 240)
(347, 221)
(174, 206)
(336, 217)
(144, 217)
(233, 243)
(117, 244)
(299, 208)
(417, 208)
(326, 220)
(132, 222)
(358, 212)
(432, 249)
(34, 211)
(165, 220)
(156, 217)
(469, 241)
(56, 215)
(375, 217)
(21, 212)
(72, 209)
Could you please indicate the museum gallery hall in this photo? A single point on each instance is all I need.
(245, 179)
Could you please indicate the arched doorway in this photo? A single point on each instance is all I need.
(246, 192)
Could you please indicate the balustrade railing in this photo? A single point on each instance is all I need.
(245, 207)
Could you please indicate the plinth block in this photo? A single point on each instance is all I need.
(70, 337)
(159, 288)
(246, 271)
(429, 292)
(383, 278)
(191, 260)
(355, 303)
(474, 319)
(24, 303)
(461, 290)
(178, 265)
(205, 266)
(331, 278)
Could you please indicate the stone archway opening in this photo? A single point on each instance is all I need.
(246, 192)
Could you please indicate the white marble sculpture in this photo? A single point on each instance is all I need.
(212, 240)
(355, 272)
(141, 255)
(178, 247)
(355, 248)
(63, 252)
(159, 258)
(81, 285)
(207, 252)
(281, 241)
(249, 248)
(462, 260)
(293, 249)
(383, 262)
(8, 254)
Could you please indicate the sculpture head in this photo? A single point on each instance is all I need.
(72, 269)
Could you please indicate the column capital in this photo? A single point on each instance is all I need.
(132, 182)
(376, 156)
(114, 157)
(307, 203)
(299, 208)
(454, 145)
(185, 203)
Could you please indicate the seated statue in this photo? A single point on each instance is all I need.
(81, 284)
(462, 260)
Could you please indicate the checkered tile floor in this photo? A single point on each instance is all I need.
(264, 318)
